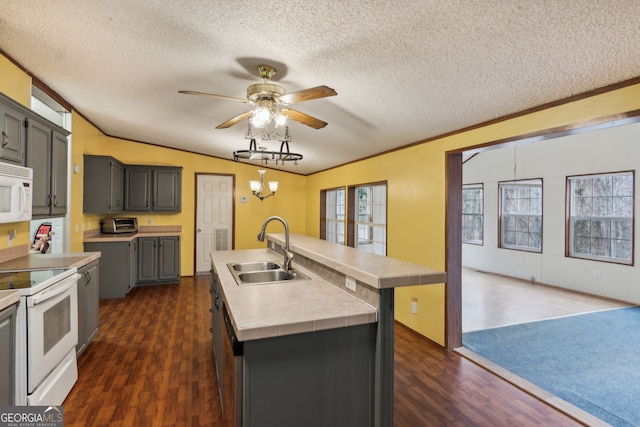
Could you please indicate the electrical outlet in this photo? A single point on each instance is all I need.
(596, 274)
(351, 284)
(414, 305)
(521, 260)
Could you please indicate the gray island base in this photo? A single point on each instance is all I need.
(308, 352)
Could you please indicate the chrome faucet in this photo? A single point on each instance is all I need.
(288, 256)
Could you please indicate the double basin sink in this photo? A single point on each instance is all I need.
(255, 273)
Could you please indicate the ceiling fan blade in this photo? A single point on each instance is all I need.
(308, 94)
(303, 118)
(236, 119)
(229, 98)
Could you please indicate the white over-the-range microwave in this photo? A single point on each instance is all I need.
(16, 184)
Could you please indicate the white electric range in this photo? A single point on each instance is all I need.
(46, 335)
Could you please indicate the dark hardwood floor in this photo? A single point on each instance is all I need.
(151, 364)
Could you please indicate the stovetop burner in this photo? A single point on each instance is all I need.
(27, 279)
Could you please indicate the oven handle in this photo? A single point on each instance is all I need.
(53, 291)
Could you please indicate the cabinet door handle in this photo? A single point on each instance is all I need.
(55, 200)
(5, 139)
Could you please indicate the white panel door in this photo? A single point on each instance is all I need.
(214, 218)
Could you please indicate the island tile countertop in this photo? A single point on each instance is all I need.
(377, 271)
(45, 261)
(283, 308)
(8, 297)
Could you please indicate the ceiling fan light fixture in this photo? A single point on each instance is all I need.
(279, 118)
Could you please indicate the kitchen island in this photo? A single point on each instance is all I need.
(317, 351)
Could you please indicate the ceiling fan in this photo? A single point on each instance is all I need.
(271, 102)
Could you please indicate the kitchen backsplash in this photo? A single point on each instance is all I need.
(141, 229)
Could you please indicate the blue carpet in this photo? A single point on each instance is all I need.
(590, 360)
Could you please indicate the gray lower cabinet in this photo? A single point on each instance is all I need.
(47, 156)
(141, 261)
(7, 355)
(88, 304)
(114, 273)
(158, 259)
(218, 330)
(322, 378)
(103, 185)
(133, 263)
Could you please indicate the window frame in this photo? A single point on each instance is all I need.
(324, 219)
(569, 229)
(474, 186)
(521, 183)
(352, 221)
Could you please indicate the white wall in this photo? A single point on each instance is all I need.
(610, 150)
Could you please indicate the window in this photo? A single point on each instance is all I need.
(472, 213)
(368, 218)
(601, 217)
(332, 217)
(520, 218)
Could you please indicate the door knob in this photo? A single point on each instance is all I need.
(199, 230)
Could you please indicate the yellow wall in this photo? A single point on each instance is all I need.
(248, 216)
(416, 194)
(15, 84)
(415, 177)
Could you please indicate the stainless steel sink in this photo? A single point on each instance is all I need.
(267, 276)
(256, 273)
(255, 266)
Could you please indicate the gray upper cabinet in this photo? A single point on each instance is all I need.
(30, 140)
(111, 186)
(103, 185)
(47, 156)
(59, 166)
(137, 182)
(167, 185)
(152, 188)
(13, 133)
(39, 159)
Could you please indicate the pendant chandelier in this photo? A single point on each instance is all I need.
(260, 152)
(257, 187)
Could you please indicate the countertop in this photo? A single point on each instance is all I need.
(377, 271)
(284, 308)
(127, 237)
(8, 297)
(44, 261)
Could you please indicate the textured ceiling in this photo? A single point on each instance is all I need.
(404, 70)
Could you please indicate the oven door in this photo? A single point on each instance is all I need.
(52, 325)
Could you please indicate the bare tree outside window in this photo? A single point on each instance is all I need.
(601, 216)
(520, 219)
(473, 214)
